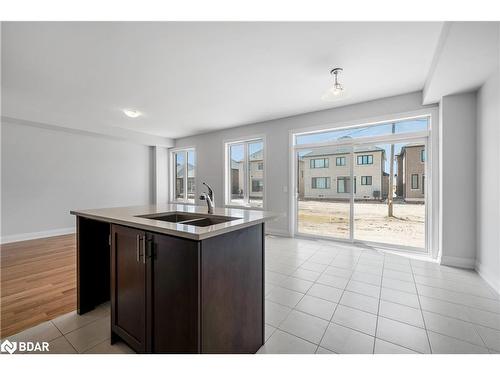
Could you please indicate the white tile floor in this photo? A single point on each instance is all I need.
(324, 297)
(72, 334)
(359, 300)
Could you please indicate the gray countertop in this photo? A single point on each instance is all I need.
(128, 216)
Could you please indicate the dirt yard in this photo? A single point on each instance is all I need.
(371, 222)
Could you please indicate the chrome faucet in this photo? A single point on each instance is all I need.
(209, 198)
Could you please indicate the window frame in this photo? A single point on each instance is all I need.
(247, 184)
(422, 155)
(260, 183)
(173, 175)
(416, 180)
(429, 137)
(314, 184)
(342, 159)
(369, 159)
(365, 179)
(345, 179)
(326, 163)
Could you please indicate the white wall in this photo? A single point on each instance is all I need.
(46, 173)
(458, 187)
(210, 147)
(488, 180)
(161, 174)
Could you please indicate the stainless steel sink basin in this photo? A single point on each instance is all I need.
(198, 220)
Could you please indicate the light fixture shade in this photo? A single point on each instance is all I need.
(131, 113)
(337, 91)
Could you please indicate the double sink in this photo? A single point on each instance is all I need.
(197, 220)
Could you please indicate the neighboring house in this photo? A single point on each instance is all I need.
(256, 186)
(411, 173)
(326, 173)
(179, 181)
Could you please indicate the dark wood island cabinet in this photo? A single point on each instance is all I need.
(193, 293)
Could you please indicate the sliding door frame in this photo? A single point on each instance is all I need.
(429, 138)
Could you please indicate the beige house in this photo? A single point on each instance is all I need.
(324, 173)
(410, 183)
(256, 183)
(179, 181)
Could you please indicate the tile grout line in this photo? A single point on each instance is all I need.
(292, 308)
(304, 294)
(63, 335)
(340, 299)
(421, 312)
(378, 308)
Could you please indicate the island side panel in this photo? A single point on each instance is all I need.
(232, 298)
(93, 263)
(175, 294)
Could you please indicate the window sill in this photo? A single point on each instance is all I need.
(182, 202)
(243, 207)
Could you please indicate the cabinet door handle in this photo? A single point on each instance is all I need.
(137, 246)
(144, 259)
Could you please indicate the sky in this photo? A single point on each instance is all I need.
(237, 150)
(366, 131)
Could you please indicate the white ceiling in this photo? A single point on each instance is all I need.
(466, 56)
(189, 78)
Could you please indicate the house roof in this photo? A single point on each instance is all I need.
(409, 145)
(257, 155)
(180, 170)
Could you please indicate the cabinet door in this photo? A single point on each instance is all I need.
(175, 306)
(130, 286)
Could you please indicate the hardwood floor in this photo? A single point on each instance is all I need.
(38, 282)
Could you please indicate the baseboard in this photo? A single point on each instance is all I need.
(35, 235)
(492, 279)
(459, 262)
(277, 232)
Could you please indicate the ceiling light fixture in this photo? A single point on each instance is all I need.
(131, 113)
(337, 91)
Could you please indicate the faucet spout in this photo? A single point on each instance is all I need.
(210, 202)
(210, 192)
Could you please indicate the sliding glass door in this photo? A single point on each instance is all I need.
(365, 184)
(389, 199)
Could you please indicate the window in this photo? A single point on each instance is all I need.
(342, 184)
(340, 161)
(414, 181)
(365, 159)
(400, 127)
(245, 173)
(184, 173)
(318, 163)
(422, 156)
(423, 184)
(354, 184)
(366, 180)
(320, 183)
(257, 185)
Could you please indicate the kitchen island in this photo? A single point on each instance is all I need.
(180, 280)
